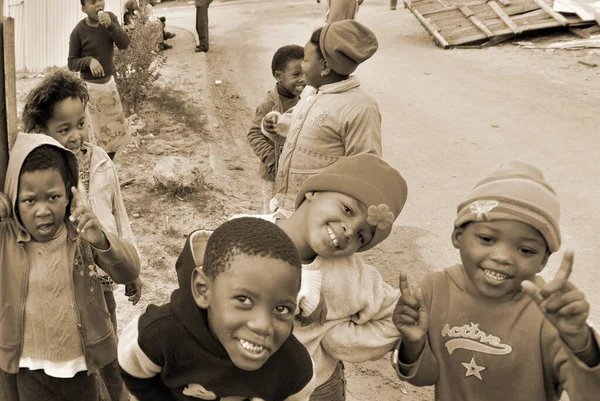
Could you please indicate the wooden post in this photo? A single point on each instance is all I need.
(10, 79)
(3, 122)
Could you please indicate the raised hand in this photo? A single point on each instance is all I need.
(86, 223)
(5, 206)
(96, 68)
(104, 19)
(563, 304)
(410, 317)
(270, 122)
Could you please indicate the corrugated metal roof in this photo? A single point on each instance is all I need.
(43, 27)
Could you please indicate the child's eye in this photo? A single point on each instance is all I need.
(282, 310)
(347, 210)
(243, 299)
(54, 197)
(63, 131)
(361, 237)
(485, 239)
(27, 201)
(81, 125)
(528, 251)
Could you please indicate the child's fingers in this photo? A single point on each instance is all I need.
(560, 300)
(561, 277)
(580, 307)
(401, 320)
(531, 289)
(404, 286)
(408, 311)
(76, 198)
(423, 313)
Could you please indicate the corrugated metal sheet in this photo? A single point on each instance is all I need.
(43, 27)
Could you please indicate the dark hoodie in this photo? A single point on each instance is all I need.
(120, 261)
(170, 354)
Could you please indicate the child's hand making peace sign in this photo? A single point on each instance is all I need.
(412, 320)
(563, 305)
(86, 223)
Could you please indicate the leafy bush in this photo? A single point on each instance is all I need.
(138, 66)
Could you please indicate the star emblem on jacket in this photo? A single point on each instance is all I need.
(473, 369)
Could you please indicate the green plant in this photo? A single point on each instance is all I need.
(138, 67)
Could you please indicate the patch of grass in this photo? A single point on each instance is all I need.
(175, 103)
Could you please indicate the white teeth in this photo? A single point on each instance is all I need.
(334, 240)
(495, 275)
(251, 347)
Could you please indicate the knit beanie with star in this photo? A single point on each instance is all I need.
(345, 44)
(371, 181)
(515, 191)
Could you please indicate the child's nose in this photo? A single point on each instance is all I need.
(502, 254)
(42, 210)
(261, 323)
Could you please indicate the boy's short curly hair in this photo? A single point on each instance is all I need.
(248, 236)
(47, 157)
(315, 39)
(41, 101)
(284, 55)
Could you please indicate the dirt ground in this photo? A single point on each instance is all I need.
(189, 115)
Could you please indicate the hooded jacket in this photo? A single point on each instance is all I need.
(481, 349)
(169, 353)
(120, 261)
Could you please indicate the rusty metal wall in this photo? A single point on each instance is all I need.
(43, 27)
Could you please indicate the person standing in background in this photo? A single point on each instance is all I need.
(202, 24)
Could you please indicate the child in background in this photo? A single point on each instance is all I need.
(227, 332)
(491, 328)
(91, 51)
(56, 107)
(131, 15)
(345, 306)
(286, 67)
(334, 116)
(54, 330)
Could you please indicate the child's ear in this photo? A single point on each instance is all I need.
(326, 69)
(200, 288)
(457, 236)
(277, 75)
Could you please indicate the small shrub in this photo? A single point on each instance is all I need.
(138, 66)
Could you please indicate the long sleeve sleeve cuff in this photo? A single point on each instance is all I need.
(310, 291)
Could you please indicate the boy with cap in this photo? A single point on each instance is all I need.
(334, 116)
(491, 328)
(345, 307)
(226, 334)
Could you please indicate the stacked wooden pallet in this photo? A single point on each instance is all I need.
(488, 22)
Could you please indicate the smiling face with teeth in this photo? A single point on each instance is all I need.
(335, 224)
(250, 306)
(292, 77)
(498, 255)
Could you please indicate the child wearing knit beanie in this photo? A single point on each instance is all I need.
(345, 306)
(334, 116)
(491, 328)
